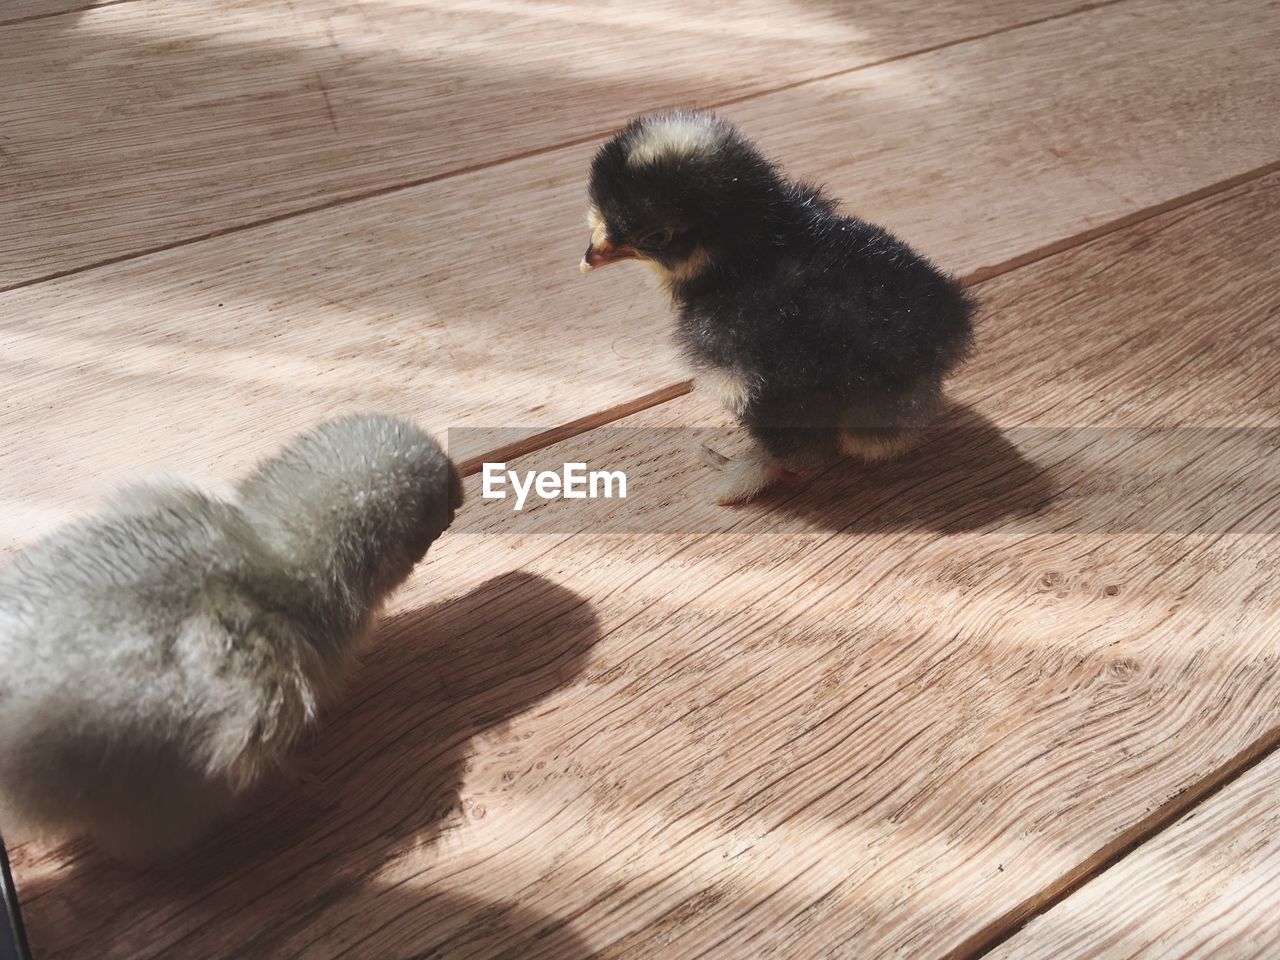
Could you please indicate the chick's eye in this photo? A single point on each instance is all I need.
(660, 238)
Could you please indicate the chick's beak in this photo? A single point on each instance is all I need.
(600, 251)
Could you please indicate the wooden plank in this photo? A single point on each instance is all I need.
(459, 302)
(13, 11)
(872, 717)
(1206, 887)
(192, 118)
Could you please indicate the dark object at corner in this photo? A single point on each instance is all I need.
(13, 938)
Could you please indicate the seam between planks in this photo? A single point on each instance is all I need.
(339, 201)
(1146, 830)
(575, 428)
(63, 13)
(674, 391)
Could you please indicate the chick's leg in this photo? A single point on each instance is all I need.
(778, 453)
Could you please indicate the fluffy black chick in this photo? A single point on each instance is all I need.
(822, 334)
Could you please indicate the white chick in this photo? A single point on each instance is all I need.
(158, 660)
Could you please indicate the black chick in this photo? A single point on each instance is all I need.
(824, 335)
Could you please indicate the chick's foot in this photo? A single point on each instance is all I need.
(747, 477)
(708, 457)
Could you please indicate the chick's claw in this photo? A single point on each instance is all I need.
(711, 458)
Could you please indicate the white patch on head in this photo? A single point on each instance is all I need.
(593, 217)
(675, 135)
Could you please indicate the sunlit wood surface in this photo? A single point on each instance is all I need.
(170, 120)
(459, 301)
(890, 711)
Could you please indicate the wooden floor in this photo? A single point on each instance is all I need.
(1016, 696)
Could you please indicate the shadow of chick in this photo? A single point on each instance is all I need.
(386, 771)
(965, 474)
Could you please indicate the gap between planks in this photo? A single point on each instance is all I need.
(84, 8)
(515, 157)
(1162, 818)
(674, 391)
(574, 428)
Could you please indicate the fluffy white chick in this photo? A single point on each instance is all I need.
(161, 658)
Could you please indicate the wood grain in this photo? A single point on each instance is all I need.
(458, 302)
(192, 118)
(14, 11)
(1205, 887)
(818, 726)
